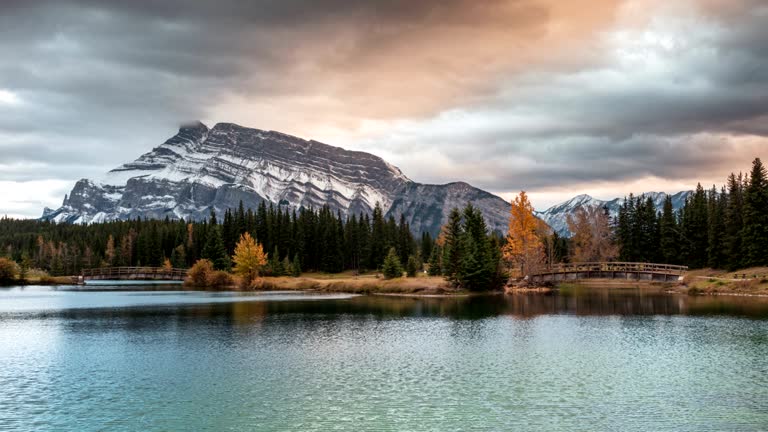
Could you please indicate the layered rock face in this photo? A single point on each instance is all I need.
(200, 169)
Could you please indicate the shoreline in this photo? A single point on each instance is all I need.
(435, 286)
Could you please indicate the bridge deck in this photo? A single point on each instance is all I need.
(133, 273)
(610, 270)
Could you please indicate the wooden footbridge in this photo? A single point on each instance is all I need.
(610, 270)
(148, 274)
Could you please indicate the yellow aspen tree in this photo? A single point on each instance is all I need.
(523, 248)
(249, 258)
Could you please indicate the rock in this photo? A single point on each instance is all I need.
(200, 169)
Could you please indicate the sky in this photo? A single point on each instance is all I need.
(557, 98)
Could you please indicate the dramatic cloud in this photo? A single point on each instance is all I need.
(551, 96)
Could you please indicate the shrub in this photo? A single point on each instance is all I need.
(8, 270)
(199, 273)
(219, 279)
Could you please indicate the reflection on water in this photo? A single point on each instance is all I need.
(590, 360)
(573, 301)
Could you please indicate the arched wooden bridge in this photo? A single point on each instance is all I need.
(610, 270)
(149, 274)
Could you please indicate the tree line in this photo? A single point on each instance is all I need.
(304, 239)
(725, 228)
(719, 228)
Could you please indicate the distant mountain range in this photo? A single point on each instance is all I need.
(557, 215)
(202, 168)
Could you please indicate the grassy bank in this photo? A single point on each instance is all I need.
(362, 284)
(43, 280)
(751, 281)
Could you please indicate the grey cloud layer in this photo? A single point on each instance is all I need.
(507, 94)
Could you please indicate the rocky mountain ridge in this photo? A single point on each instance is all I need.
(200, 168)
(557, 215)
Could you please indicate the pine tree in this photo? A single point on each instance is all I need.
(214, 249)
(733, 222)
(716, 208)
(693, 225)
(392, 267)
(179, 257)
(436, 262)
(275, 266)
(669, 238)
(755, 217)
(378, 237)
(478, 263)
(452, 246)
(426, 245)
(154, 248)
(296, 266)
(413, 266)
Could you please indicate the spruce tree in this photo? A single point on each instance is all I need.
(477, 265)
(452, 246)
(275, 265)
(716, 208)
(179, 257)
(426, 245)
(669, 238)
(296, 266)
(214, 249)
(412, 267)
(693, 225)
(436, 262)
(378, 237)
(734, 223)
(392, 267)
(755, 217)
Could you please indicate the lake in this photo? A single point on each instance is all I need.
(580, 360)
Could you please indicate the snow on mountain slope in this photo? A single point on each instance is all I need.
(557, 215)
(201, 168)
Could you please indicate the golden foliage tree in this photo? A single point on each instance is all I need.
(249, 258)
(524, 248)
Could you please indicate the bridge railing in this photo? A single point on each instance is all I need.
(124, 272)
(614, 267)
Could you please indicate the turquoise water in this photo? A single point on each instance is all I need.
(579, 361)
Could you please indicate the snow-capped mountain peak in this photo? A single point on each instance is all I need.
(557, 215)
(200, 168)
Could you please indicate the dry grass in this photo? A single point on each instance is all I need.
(708, 281)
(364, 284)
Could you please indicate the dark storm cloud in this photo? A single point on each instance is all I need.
(678, 99)
(502, 93)
(104, 79)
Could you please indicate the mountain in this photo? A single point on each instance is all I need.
(557, 215)
(200, 169)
